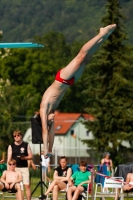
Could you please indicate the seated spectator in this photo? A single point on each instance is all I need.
(129, 182)
(78, 181)
(10, 180)
(60, 178)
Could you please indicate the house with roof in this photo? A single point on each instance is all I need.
(69, 131)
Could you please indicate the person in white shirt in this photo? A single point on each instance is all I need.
(45, 167)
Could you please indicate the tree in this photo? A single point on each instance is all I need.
(34, 70)
(10, 110)
(110, 93)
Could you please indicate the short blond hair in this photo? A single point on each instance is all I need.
(13, 161)
(17, 132)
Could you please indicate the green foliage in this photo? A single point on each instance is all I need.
(10, 110)
(22, 20)
(33, 70)
(108, 78)
(111, 92)
(0, 35)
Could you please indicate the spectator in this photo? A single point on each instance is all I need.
(108, 162)
(129, 182)
(45, 167)
(78, 181)
(10, 180)
(21, 152)
(61, 176)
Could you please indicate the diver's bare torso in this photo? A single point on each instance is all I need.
(68, 75)
(52, 96)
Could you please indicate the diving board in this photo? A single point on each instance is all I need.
(20, 45)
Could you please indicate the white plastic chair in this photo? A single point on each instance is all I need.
(112, 188)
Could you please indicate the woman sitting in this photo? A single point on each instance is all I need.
(61, 176)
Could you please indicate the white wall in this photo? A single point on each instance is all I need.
(72, 145)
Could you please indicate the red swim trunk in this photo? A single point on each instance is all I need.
(67, 82)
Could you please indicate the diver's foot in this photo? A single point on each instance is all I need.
(48, 155)
(106, 31)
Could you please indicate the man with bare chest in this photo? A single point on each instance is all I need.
(10, 180)
(64, 78)
(21, 152)
(129, 182)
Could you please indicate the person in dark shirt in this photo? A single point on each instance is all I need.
(61, 176)
(21, 152)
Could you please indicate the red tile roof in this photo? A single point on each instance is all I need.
(64, 121)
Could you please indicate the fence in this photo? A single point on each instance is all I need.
(73, 154)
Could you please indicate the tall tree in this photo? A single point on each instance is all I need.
(10, 110)
(33, 70)
(110, 90)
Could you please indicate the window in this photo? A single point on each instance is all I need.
(72, 132)
(87, 133)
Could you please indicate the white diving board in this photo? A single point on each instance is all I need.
(20, 45)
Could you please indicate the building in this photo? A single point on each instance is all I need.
(69, 131)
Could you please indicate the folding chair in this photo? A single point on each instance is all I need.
(122, 170)
(128, 194)
(86, 194)
(11, 194)
(112, 188)
(49, 196)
